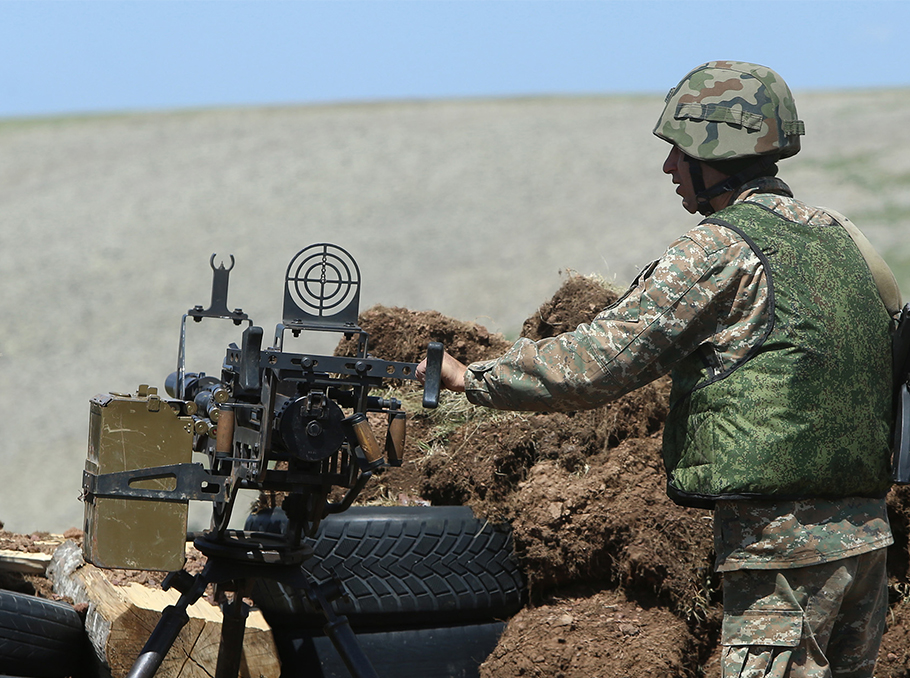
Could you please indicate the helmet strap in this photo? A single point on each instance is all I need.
(698, 185)
(703, 196)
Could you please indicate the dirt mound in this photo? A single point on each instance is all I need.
(591, 633)
(583, 491)
(402, 335)
(577, 301)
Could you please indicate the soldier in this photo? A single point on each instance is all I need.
(774, 318)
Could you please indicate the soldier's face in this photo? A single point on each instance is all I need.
(677, 166)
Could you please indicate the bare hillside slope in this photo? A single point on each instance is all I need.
(471, 208)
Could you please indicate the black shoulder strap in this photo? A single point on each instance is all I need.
(900, 347)
(900, 443)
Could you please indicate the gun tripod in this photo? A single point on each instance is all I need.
(233, 562)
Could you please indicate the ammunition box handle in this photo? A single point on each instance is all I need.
(192, 481)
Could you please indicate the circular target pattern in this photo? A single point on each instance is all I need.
(323, 279)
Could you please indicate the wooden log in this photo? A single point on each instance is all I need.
(13, 560)
(28, 563)
(120, 620)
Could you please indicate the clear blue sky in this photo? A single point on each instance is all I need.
(70, 56)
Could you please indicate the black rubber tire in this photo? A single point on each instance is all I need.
(402, 566)
(442, 652)
(40, 638)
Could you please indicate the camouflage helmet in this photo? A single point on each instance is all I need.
(731, 109)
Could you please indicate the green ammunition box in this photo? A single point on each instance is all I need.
(127, 433)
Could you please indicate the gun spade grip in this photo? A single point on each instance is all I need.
(365, 437)
(250, 380)
(394, 439)
(224, 432)
(433, 381)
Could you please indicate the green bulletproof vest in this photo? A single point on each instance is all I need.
(807, 412)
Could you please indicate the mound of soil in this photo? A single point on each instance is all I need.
(577, 301)
(591, 633)
(402, 335)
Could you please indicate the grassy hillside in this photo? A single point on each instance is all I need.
(471, 208)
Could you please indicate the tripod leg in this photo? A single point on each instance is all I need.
(233, 625)
(337, 627)
(173, 619)
(342, 636)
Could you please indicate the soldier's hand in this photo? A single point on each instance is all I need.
(451, 375)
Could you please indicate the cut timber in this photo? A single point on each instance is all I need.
(29, 563)
(120, 620)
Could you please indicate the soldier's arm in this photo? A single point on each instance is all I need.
(707, 289)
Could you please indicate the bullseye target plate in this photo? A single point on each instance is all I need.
(322, 285)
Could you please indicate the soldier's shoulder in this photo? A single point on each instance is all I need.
(791, 208)
(710, 239)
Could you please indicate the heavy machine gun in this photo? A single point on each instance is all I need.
(274, 421)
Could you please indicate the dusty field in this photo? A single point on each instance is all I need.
(470, 208)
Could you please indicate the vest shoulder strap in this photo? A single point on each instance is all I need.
(884, 279)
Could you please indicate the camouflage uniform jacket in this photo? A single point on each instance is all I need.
(708, 292)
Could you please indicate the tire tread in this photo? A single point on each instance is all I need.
(423, 564)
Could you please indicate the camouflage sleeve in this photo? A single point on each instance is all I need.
(708, 292)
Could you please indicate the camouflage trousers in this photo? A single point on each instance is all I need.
(809, 622)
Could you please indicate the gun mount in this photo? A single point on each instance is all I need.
(274, 421)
